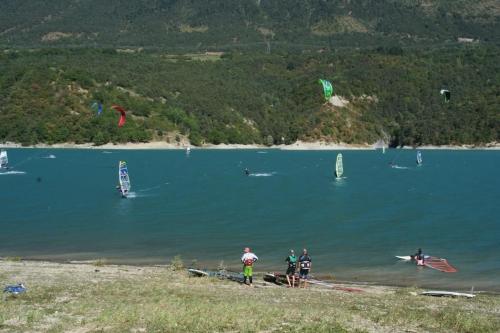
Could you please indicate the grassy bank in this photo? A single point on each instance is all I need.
(104, 298)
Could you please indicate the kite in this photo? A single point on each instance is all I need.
(327, 88)
(123, 116)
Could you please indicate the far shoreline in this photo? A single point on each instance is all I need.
(297, 146)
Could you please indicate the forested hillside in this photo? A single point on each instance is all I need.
(190, 25)
(246, 71)
(46, 96)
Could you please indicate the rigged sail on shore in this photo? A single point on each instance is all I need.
(4, 160)
(339, 166)
(123, 179)
(439, 264)
(419, 158)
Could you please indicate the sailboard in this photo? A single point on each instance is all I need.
(440, 293)
(4, 160)
(419, 158)
(339, 166)
(280, 279)
(124, 179)
(408, 258)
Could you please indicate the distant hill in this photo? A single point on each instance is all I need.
(246, 71)
(190, 25)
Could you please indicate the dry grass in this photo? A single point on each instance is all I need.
(86, 298)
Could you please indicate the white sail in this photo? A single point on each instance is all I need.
(4, 160)
(339, 166)
(419, 158)
(124, 179)
(383, 149)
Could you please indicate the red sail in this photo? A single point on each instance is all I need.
(439, 264)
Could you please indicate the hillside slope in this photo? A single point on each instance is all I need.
(46, 96)
(182, 25)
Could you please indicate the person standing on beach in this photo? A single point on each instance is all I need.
(305, 268)
(248, 258)
(292, 266)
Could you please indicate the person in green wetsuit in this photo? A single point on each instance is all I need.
(248, 258)
(292, 266)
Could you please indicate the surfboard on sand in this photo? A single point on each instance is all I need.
(280, 279)
(440, 293)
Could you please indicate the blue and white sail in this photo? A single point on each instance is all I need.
(4, 160)
(123, 179)
(339, 166)
(419, 158)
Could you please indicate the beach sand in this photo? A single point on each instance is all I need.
(299, 145)
(96, 297)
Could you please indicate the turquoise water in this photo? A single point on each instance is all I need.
(204, 208)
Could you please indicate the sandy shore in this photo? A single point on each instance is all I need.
(97, 297)
(299, 145)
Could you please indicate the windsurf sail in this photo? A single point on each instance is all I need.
(339, 166)
(439, 264)
(124, 179)
(4, 160)
(419, 158)
(280, 279)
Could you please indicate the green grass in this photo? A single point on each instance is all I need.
(63, 298)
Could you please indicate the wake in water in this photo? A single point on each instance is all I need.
(263, 174)
(12, 173)
(49, 156)
(399, 167)
(262, 152)
(150, 188)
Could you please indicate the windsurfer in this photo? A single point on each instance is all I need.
(419, 257)
(248, 258)
(292, 266)
(305, 268)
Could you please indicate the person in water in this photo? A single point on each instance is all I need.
(305, 268)
(419, 257)
(247, 172)
(292, 266)
(248, 258)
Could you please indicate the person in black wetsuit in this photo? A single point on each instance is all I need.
(247, 172)
(305, 267)
(419, 257)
